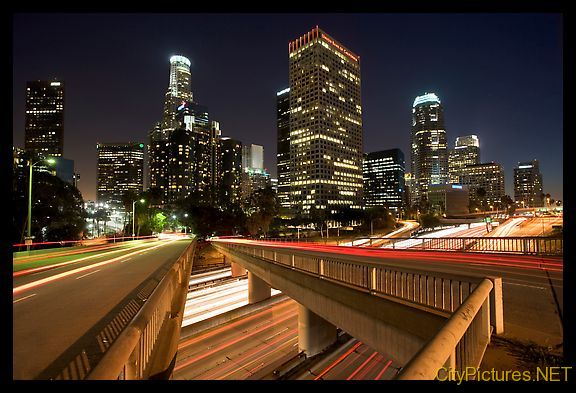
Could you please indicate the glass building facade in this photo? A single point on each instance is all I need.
(489, 176)
(384, 173)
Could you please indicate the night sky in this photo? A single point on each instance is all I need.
(498, 75)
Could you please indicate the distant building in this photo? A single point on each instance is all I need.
(326, 141)
(410, 190)
(283, 146)
(231, 170)
(450, 199)
(119, 170)
(488, 176)
(428, 143)
(254, 175)
(44, 126)
(383, 173)
(466, 152)
(528, 185)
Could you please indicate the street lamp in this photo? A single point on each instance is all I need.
(28, 239)
(134, 215)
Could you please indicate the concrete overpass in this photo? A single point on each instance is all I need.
(423, 319)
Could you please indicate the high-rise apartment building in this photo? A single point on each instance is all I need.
(466, 152)
(283, 146)
(428, 143)
(489, 177)
(384, 173)
(120, 169)
(528, 184)
(326, 142)
(44, 126)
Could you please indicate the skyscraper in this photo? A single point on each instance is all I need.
(466, 152)
(383, 173)
(120, 169)
(528, 184)
(179, 89)
(326, 146)
(188, 154)
(283, 146)
(44, 127)
(428, 143)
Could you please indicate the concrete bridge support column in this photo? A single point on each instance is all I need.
(314, 333)
(237, 270)
(258, 289)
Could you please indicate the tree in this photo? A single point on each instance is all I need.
(263, 206)
(58, 209)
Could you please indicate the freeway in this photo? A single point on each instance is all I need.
(252, 347)
(532, 285)
(215, 293)
(66, 314)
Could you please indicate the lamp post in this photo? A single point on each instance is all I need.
(28, 239)
(134, 216)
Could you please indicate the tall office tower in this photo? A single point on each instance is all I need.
(179, 89)
(428, 143)
(489, 176)
(325, 124)
(120, 169)
(466, 152)
(528, 185)
(178, 92)
(231, 170)
(383, 173)
(44, 128)
(283, 146)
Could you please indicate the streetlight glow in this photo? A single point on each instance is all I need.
(28, 239)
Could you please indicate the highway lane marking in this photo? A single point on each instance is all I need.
(127, 259)
(22, 298)
(523, 285)
(87, 274)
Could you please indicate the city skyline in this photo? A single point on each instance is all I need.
(495, 82)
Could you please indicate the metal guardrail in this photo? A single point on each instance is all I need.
(475, 302)
(146, 348)
(551, 246)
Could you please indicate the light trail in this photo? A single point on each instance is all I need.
(351, 376)
(56, 265)
(233, 341)
(338, 361)
(35, 284)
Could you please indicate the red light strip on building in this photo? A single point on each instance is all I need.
(334, 43)
(303, 40)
